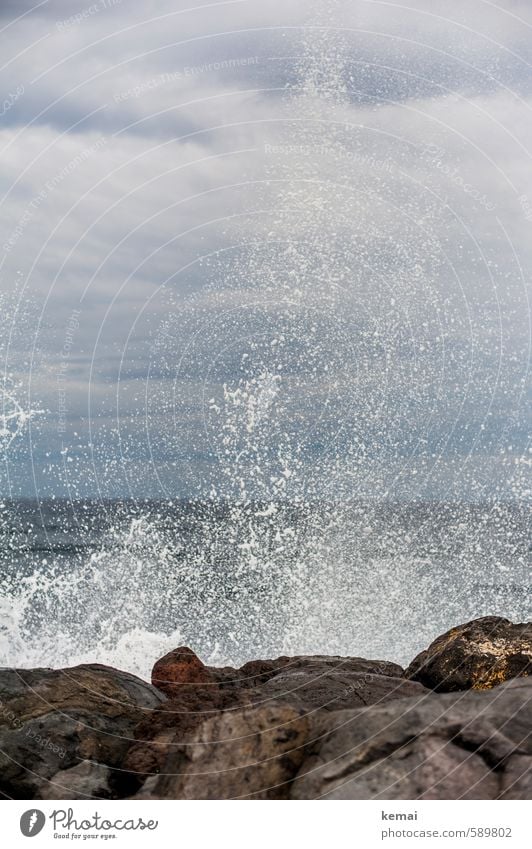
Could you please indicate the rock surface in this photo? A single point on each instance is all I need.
(171, 726)
(179, 668)
(85, 781)
(480, 654)
(321, 683)
(51, 720)
(469, 745)
(290, 728)
(251, 753)
(308, 684)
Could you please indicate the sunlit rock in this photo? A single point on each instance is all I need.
(480, 654)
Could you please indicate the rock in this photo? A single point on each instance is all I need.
(178, 667)
(307, 684)
(84, 781)
(50, 720)
(478, 655)
(171, 726)
(452, 746)
(257, 672)
(249, 753)
(321, 683)
(426, 769)
(181, 670)
(302, 727)
(517, 778)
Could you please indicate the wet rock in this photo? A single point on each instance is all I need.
(426, 769)
(302, 727)
(50, 720)
(249, 753)
(181, 670)
(257, 672)
(451, 746)
(478, 655)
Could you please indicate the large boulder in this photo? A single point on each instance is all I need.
(478, 655)
(249, 753)
(171, 727)
(53, 720)
(473, 745)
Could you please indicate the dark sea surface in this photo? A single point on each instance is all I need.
(123, 582)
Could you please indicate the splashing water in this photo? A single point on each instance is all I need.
(13, 419)
(15, 413)
(57, 615)
(239, 582)
(318, 379)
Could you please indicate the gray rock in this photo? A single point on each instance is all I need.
(84, 781)
(452, 746)
(318, 684)
(50, 720)
(517, 778)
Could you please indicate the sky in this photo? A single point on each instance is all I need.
(266, 250)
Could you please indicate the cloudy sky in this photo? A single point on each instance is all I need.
(266, 249)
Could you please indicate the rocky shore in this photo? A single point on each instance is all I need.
(456, 724)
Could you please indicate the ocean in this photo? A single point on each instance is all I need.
(122, 583)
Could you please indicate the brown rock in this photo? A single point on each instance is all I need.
(473, 745)
(249, 753)
(178, 667)
(300, 727)
(257, 672)
(181, 667)
(478, 655)
(308, 684)
(172, 726)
